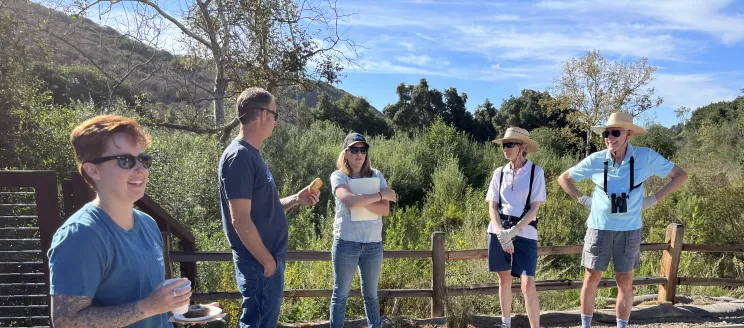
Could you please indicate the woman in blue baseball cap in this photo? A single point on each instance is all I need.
(357, 228)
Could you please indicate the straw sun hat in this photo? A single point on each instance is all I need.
(521, 135)
(620, 120)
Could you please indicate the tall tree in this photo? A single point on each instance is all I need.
(531, 110)
(595, 87)
(351, 113)
(483, 125)
(268, 43)
(455, 112)
(417, 106)
(17, 86)
(402, 113)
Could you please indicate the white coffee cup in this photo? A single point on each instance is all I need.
(179, 290)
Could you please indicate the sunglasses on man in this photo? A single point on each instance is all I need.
(614, 133)
(358, 150)
(510, 144)
(276, 115)
(126, 161)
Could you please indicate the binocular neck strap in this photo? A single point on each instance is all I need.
(501, 179)
(529, 192)
(632, 174)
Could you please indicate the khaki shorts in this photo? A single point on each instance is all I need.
(623, 247)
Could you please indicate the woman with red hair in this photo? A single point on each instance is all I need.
(106, 261)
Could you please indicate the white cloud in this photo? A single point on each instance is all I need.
(410, 46)
(425, 37)
(692, 90)
(709, 17)
(504, 18)
(411, 59)
(558, 45)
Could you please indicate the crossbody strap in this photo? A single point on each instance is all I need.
(529, 192)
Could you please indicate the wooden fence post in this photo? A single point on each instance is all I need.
(166, 254)
(670, 262)
(438, 286)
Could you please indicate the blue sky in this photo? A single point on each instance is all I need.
(493, 49)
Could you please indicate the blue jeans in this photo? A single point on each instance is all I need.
(262, 296)
(346, 256)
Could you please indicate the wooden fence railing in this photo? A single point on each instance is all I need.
(75, 194)
(668, 282)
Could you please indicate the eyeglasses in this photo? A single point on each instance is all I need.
(510, 144)
(357, 150)
(276, 115)
(614, 133)
(126, 161)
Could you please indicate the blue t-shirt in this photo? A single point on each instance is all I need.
(356, 231)
(243, 174)
(647, 163)
(92, 256)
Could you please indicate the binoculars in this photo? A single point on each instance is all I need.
(619, 203)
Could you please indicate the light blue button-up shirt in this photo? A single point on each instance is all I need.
(356, 231)
(647, 163)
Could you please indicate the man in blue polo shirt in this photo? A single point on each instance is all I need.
(614, 224)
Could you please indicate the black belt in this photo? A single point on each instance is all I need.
(508, 221)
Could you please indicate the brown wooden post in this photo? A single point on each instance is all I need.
(82, 193)
(670, 262)
(47, 210)
(188, 269)
(166, 254)
(438, 286)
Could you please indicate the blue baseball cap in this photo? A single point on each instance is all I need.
(353, 138)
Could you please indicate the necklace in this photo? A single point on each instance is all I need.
(514, 172)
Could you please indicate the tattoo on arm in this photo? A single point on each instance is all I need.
(75, 311)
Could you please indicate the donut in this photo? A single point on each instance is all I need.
(196, 311)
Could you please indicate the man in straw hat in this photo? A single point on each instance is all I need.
(514, 196)
(614, 224)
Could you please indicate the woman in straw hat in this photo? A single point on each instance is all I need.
(614, 224)
(514, 196)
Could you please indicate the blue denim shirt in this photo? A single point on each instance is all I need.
(647, 163)
(343, 227)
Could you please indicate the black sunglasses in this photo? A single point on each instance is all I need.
(510, 144)
(276, 115)
(357, 150)
(614, 133)
(126, 161)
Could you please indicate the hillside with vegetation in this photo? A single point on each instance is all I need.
(432, 151)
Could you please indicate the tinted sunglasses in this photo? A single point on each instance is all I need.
(510, 144)
(614, 133)
(357, 150)
(276, 115)
(126, 161)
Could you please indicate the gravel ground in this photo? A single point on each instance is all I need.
(687, 320)
(691, 322)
